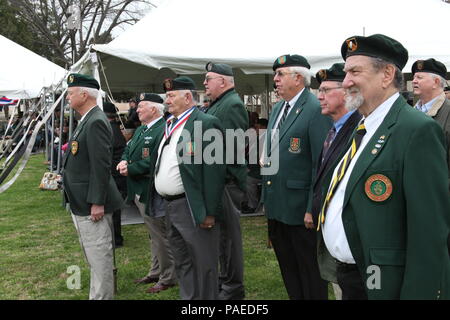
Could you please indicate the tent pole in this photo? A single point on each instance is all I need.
(265, 111)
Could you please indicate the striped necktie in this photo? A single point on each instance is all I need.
(339, 175)
(328, 141)
(283, 117)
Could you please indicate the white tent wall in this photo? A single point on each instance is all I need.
(23, 73)
(180, 36)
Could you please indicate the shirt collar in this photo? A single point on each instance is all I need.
(293, 101)
(82, 118)
(373, 120)
(153, 122)
(427, 106)
(340, 123)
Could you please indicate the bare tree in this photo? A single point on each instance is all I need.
(49, 20)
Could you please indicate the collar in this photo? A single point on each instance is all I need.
(293, 101)
(374, 119)
(152, 123)
(340, 123)
(425, 107)
(82, 118)
(221, 96)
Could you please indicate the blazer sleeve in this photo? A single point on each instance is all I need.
(213, 174)
(318, 129)
(99, 144)
(428, 207)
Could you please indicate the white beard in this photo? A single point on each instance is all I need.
(353, 102)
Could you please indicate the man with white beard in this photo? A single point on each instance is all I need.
(384, 217)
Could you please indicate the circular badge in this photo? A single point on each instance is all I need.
(378, 187)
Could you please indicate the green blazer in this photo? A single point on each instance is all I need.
(230, 110)
(203, 183)
(87, 175)
(142, 146)
(287, 195)
(404, 233)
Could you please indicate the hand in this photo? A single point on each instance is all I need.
(97, 212)
(309, 223)
(122, 167)
(208, 223)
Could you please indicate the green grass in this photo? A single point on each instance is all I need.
(38, 242)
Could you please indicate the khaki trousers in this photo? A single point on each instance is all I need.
(96, 242)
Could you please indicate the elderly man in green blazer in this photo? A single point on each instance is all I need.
(297, 129)
(228, 107)
(192, 186)
(136, 166)
(89, 187)
(385, 217)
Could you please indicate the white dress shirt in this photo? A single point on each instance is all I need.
(333, 229)
(292, 103)
(168, 179)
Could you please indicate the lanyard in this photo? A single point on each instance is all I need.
(171, 127)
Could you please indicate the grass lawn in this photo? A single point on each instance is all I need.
(38, 242)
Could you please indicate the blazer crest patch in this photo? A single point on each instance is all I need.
(294, 145)
(74, 147)
(145, 153)
(378, 187)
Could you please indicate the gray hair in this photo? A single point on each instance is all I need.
(229, 79)
(160, 107)
(442, 81)
(378, 64)
(91, 92)
(303, 72)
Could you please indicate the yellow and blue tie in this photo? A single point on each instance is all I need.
(339, 175)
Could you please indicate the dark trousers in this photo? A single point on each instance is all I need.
(295, 248)
(350, 281)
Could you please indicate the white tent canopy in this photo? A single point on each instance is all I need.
(23, 73)
(180, 36)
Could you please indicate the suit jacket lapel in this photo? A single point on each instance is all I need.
(77, 132)
(135, 140)
(294, 113)
(367, 156)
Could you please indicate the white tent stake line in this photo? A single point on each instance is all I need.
(109, 93)
(10, 124)
(27, 154)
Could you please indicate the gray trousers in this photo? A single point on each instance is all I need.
(231, 277)
(154, 267)
(96, 242)
(252, 192)
(196, 252)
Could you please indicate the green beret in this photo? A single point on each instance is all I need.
(289, 60)
(376, 46)
(180, 83)
(335, 73)
(447, 88)
(108, 107)
(430, 65)
(152, 97)
(82, 80)
(220, 68)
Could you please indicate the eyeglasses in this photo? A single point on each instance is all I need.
(210, 78)
(326, 90)
(281, 73)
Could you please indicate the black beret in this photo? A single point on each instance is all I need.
(152, 97)
(335, 73)
(108, 107)
(376, 46)
(180, 83)
(430, 65)
(220, 68)
(447, 88)
(289, 60)
(82, 80)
